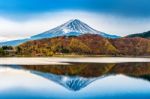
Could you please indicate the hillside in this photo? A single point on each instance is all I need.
(84, 44)
(143, 35)
(88, 44)
(132, 46)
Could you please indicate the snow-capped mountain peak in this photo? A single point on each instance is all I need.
(73, 27)
(76, 25)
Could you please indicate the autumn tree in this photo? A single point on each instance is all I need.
(78, 47)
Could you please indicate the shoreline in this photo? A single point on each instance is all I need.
(66, 61)
(76, 56)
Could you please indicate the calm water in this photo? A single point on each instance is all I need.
(78, 80)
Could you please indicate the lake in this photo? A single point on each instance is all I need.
(76, 81)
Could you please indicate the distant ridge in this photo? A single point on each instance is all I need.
(143, 35)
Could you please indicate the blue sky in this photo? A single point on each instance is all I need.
(138, 8)
(119, 17)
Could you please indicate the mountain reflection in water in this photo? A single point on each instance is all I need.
(77, 76)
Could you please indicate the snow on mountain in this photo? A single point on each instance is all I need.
(71, 28)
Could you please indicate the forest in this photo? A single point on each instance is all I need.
(88, 44)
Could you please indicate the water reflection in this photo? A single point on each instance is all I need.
(93, 71)
(73, 83)
(132, 77)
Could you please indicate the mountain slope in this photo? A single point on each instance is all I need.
(13, 42)
(84, 44)
(132, 46)
(71, 28)
(143, 35)
(87, 44)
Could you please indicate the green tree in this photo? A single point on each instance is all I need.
(7, 47)
(2, 52)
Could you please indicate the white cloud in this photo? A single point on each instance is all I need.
(3, 39)
(10, 29)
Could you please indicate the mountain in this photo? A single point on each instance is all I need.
(143, 35)
(71, 28)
